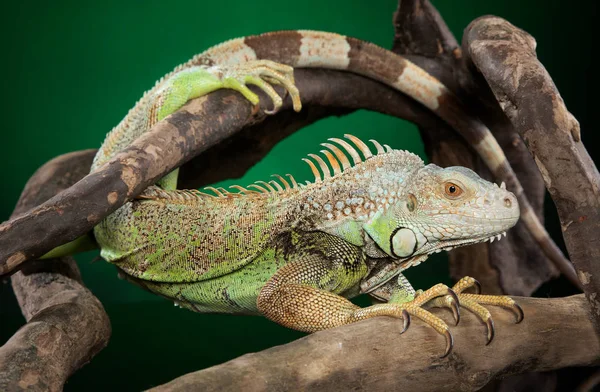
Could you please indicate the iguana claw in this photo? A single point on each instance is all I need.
(449, 344)
(519, 312)
(406, 320)
(489, 323)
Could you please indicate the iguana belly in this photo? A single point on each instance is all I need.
(231, 293)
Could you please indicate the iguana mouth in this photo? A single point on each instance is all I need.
(447, 246)
(456, 243)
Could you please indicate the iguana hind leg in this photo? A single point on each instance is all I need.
(198, 81)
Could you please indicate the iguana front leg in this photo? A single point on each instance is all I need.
(400, 291)
(306, 294)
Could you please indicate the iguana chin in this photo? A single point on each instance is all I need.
(295, 253)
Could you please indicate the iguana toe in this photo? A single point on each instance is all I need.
(474, 302)
(263, 74)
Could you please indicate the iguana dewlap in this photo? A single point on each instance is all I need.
(295, 253)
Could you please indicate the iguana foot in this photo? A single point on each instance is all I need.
(473, 303)
(263, 74)
(415, 308)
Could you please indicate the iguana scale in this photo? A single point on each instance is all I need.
(295, 253)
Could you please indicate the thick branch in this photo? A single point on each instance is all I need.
(67, 325)
(506, 57)
(372, 355)
(499, 266)
(198, 125)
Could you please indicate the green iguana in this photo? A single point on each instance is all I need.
(295, 253)
(237, 62)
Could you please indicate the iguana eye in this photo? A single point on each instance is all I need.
(452, 190)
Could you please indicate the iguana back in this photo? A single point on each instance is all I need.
(187, 236)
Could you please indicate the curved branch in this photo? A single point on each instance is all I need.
(200, 124)
(372, 355)
(66, 325)
(506, 57)
(499, 265)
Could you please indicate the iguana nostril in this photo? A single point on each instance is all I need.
(507, 202)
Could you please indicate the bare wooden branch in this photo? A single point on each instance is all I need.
(201, 123)
(372, 355)
(506, 57)
(66, 325)
(422, 35)
(420, 30)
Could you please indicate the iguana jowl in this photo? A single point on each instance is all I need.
(295, 253)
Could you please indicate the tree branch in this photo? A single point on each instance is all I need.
(506, 57)
(499, 266)
(66, 325)
(372, 355)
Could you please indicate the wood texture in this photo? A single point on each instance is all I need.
(506, 57)
(373, 356)
(66, 324)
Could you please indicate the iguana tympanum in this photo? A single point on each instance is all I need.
(295, 253)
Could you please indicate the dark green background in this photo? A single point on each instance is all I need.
(72, 70)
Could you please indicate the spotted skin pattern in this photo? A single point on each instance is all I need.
(296, 253)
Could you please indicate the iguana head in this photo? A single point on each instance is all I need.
(442, 208)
